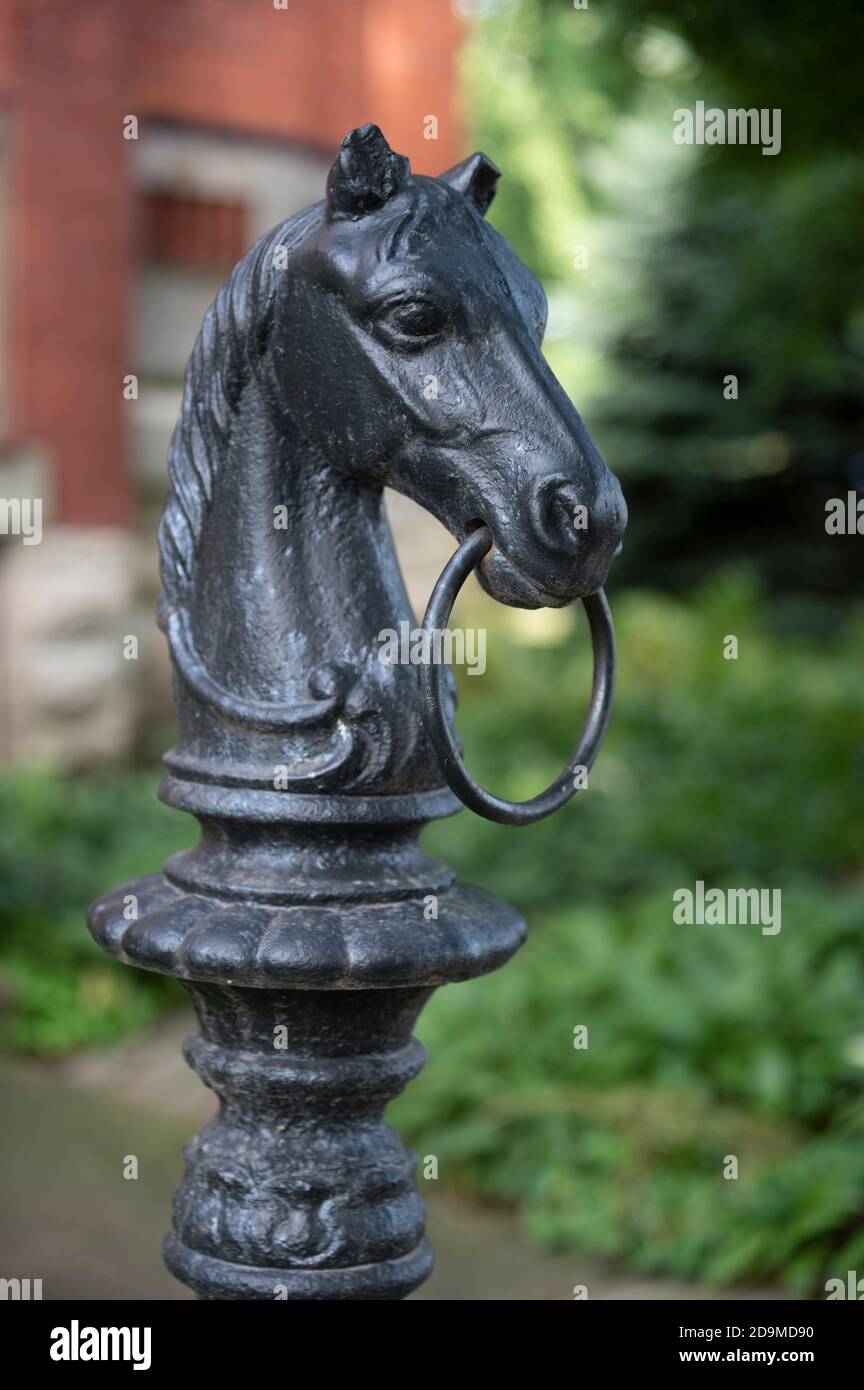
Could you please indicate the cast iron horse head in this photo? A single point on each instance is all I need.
(387, 336)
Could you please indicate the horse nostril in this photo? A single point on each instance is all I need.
(572, 514)
(573, 517)
(559, 514)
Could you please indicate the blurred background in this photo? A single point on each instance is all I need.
(707, 319)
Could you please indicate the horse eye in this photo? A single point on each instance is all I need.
(415, 318)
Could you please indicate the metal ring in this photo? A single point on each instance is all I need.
(440, 734)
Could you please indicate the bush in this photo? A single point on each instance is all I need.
(63, 843)
(703, 1041)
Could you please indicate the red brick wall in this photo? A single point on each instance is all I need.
(410, 55)
(312, 71)
(70, 70)
(69, 267)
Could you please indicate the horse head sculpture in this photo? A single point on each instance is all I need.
(386, 336)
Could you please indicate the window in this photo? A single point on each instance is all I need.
(192, 233)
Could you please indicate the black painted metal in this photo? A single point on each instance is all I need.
(385, 336)
(438, 724)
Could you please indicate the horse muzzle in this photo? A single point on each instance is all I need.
(565, 551)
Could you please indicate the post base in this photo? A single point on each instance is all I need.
(216, 1279)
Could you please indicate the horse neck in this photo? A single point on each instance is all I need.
(295, 565)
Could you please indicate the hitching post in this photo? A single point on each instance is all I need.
(387, 335)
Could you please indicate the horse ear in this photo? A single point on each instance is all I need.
(365, 174)
(477, 177)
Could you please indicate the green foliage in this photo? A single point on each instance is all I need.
(699, 262)
(702, 262)
(703, 1041)
(63, 842)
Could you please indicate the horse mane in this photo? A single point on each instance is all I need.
(227, 352)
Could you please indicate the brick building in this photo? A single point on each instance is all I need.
(143, 145)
